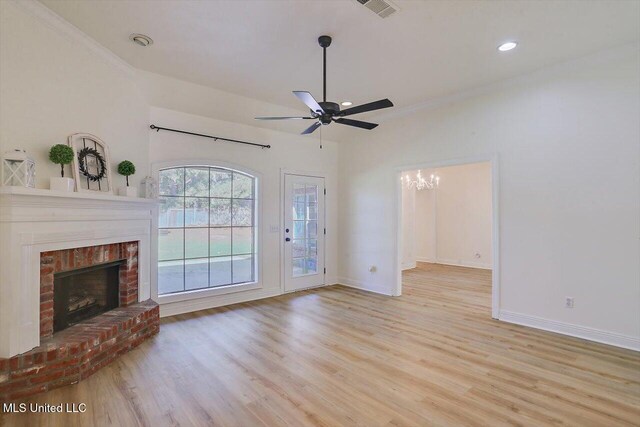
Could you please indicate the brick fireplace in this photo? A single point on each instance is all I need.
(78, 350)
(55, 262)
(48, 237)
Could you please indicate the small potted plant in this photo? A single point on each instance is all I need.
(127, 168)
(61, 154)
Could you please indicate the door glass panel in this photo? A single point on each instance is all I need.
(304, 247)
(313, 211)
(298, 266)
(299, 193)
(312, 265)
(299, 210)
(312, 229)
(312, 193)
(312, 247)
(298, 248)
(298, 229)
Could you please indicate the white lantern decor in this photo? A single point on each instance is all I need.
(18, 169)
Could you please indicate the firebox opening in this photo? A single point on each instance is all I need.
(84, 293)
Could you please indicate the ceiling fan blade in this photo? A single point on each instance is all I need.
(309, 101)
(283, 118)
(311, 128)
(376, 105)
(357, 123)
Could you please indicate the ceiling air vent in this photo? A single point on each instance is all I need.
(382, 8)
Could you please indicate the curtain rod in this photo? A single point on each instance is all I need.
(215, 138)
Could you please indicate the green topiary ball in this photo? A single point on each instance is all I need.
(126, 168)
(61, 154)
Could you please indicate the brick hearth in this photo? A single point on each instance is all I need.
(75, 353)
(78, 351)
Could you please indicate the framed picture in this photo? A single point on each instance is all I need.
(91, 163)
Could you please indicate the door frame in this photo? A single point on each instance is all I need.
(281, 234)
(495, 223)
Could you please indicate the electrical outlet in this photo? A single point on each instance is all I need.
(373, 269)
(478, 255)
(568, 302)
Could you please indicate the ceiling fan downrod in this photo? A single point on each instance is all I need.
(325, 42)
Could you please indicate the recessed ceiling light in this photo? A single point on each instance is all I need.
(507, 46)
(346, 103)
(141, 39)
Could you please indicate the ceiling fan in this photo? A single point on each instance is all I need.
(326, 112)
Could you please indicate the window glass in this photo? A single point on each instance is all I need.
(207, 229)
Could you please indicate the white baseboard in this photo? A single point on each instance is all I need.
(422, 259)
(611, 338)
(408, 265)
(457, 263)
(187, 306)
(351, 283)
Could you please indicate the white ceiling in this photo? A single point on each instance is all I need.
(264, 49)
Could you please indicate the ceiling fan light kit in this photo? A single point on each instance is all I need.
(326, 112)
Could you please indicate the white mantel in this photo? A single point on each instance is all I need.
(33, 221)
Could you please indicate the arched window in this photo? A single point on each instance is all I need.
(207, 229)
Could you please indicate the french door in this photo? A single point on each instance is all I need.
(304, 232)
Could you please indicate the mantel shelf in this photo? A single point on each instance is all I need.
(38, 192)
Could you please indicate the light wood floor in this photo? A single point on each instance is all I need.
(339, 357)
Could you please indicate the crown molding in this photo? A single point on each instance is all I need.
(70, 31)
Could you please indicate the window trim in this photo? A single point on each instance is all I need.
(219, 290)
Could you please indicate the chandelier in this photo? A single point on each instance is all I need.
(420, 183)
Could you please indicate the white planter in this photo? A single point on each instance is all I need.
(61, 184)
(128, 191)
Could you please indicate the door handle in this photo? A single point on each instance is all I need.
(287, 239)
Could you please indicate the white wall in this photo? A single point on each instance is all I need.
(567, 139)
(464, 215)
(55, 82)
(292, 152)
(408, 227)
(453, 222)
(426, 225)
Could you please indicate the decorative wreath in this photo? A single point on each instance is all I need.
(82, 164)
